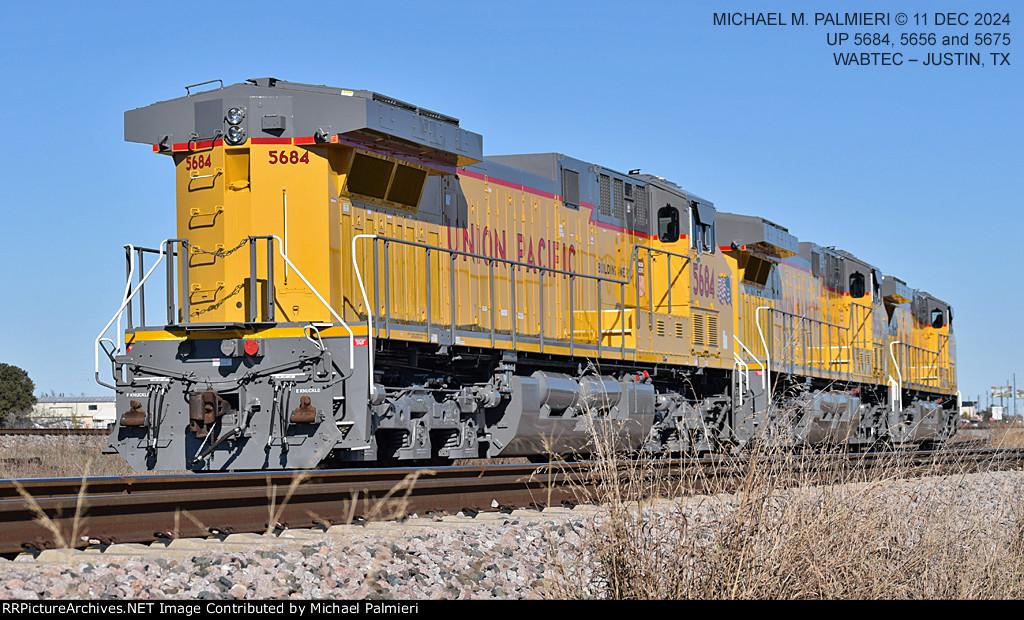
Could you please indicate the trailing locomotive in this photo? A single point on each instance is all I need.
(352, 281)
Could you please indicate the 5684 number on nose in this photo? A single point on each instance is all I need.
(289, 157)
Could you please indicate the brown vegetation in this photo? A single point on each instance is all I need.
(791, 531)
(788, 530)
(58, 456)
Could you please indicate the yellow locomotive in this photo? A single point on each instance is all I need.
(352, 281)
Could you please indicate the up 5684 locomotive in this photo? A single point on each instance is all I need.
(352, 281)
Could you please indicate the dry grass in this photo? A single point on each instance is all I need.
(786, 532)
(1005, 435)
(49, 524)
(58, 456)
(791, 532)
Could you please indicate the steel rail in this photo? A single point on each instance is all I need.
(144, 508)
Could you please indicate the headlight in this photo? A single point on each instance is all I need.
(236, 135)
(235, 116)
(228, 348)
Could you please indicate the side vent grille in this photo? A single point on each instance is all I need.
(642, 218)
(619, 206)
(606, 195)
(705, 330)
(571, 187)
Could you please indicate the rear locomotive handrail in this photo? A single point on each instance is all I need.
(139, 290)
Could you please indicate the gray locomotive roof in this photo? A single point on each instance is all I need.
(278, 109)
(896, 290)
(756, 231)
(806, 247)
(549, 165)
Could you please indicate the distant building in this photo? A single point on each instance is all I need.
(74, 411)
(969, 409)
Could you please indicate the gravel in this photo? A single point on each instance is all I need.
(506, 559)
(501, 557)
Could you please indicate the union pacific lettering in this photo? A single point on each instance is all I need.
(487, 243)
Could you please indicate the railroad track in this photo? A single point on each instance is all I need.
(143, 508)
(38, 514)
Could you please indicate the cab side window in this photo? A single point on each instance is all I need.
(703, 239)
(668, 224)
(857, 288)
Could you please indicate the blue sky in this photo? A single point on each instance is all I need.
(915, 169)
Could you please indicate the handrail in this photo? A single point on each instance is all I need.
(453, 253)
(926, 352)
(864, 320)
(898, 399)
(767, 353)
(351, 334)
(743, 375)
(749, 352)
(127, 289)
(130, 294)
(508, 261)
(188, 92)
(808, 318)
(371, 388)
(814, 321)
(117, 315)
